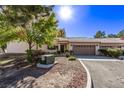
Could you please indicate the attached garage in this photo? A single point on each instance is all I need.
(84, 49)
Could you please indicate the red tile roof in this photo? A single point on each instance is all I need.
(99, 40)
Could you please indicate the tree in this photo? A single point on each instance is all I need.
(45, 31)
(121, 34)
(34, 24)
(61, 33)
(3, 47)
(100, 34)
(6, 32)
(112, 36)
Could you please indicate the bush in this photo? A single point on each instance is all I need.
(33, 54)
(103, 51)
(66, 50)
(29, 56)
(58, 52)
(72, 58)
(69, 53)
(112, 52)
(115, 52)
(122, 51)
(36, 52)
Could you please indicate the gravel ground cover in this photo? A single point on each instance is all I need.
(64, 74)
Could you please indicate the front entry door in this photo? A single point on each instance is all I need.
(62, 48)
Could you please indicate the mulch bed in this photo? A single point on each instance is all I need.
(64, 74)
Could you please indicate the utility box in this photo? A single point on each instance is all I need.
(46, 59)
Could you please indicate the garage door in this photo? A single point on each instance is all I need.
(84, 49)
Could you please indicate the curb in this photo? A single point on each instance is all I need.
(89, 80)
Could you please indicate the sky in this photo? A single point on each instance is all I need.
(86, 20)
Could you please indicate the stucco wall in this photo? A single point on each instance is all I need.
(21, 47)
(16, 47)
(1, 50)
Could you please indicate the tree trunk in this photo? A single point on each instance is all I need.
(29, 45)
(3, 50)
(29, 53)
(36, 46)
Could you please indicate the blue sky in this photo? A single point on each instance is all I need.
(86, 20)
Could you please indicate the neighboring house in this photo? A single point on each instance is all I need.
(80, 46)
(21, 47)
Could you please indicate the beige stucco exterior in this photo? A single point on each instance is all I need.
(21, 47)
(71, 44)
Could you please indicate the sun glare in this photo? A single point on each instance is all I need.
(65, 12)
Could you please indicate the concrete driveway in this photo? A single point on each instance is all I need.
(105, 72)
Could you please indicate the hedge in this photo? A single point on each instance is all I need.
(112, 52)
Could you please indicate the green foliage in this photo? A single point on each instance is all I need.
(34, 24)
(29, 56)
(52, 47)
(3, 47)
(121, 34)
(100, 34)
(112, 52)
(58, 52)
(103, 51)
(72, 58)
(112, 36)
(61, 33)
(46, 30)
(6, 32)
(118, 35)
(68, 53)
(33, 54)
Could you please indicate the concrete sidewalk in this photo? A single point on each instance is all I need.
(98, 58)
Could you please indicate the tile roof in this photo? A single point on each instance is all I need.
(99, 40)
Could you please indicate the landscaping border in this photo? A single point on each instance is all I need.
(89, 80)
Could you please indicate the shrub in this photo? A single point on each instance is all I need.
(112, 52)
(33, 54)
(66, 50)
(36, 52)
(72, 58)
(115, 52)
(67, 53)
(71, 52)
(58, 52)
(123, 52)
(103, 51)
(29, 56)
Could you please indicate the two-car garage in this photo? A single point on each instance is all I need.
(84, 49)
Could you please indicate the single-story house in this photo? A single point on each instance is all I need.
(88, 46)
(80, 46)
